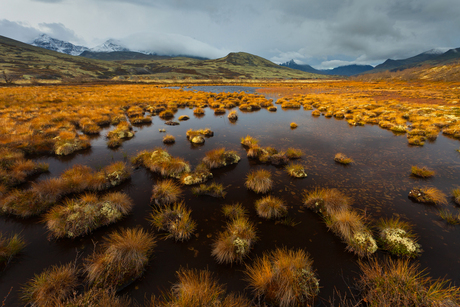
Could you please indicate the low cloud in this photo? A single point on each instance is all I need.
(18, 30)
(59, 31)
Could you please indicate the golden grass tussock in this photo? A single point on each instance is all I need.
(249, 141)
(175, 220)
(78, 217)
(259, 181)
(198, 288)
(342, 159)
(99, 297)
(294, 153)
(165, 192)
(284, 278)
(326, 201)
(220, 157)
(428, 195)
(233, 115)
(160, 161)
(456, 195)
(401, 283)
(271, 207)
(213, 189)
(235, 243)
(10, 246)
(234, 211)
(200, 174)
(52, 287)
(396, 237)
(422, 172)
(169, 139)
(123, 257)
(296, 170)
(198, 111)
(449, 217)
(293, 125)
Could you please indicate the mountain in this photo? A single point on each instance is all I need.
(121, 55)
(47, 42)
(348, 70)
(23, 62)
(110, 45)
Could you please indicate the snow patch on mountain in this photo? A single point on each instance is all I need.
(110, 45)
(439, 50)
(47, 42)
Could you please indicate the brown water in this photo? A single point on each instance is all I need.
(378, 182)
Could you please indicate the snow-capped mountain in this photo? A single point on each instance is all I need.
(436, 51)
(47, 42)
(110, 45)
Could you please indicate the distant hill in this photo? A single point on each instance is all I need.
(348, 70)
(24, 61)
(121, 56)
(47, 42)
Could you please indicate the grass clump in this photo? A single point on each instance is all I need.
(401, 283)
(198, 111)
(293, 125)
(270, 207)
(110, 176)
(16, 172)
(342, 159)
(397, 238)
(259, 181)
(213, 189)
(160, 161)
(10, 246)
(284, 278)
(98, 297)
(294, 153)
(169, 139)
(326, 201)
(198, 288)
(449, 217)
(123, 258)
(201, 174)
(52, 287)
(422, 172)
(165, 192)
(456, 195)
(67, 143)
(183, 117)
(175, 220)
(234, 211)
(235, 243)
(78, 217)
(220, 157)
(296, 170)
(428, 195)
(233, 115)
(249, 141)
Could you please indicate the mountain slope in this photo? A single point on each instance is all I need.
(47, 42)
(348, 70)
(304, 67)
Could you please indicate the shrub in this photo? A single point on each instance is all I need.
(259, 181)
(235, 242)
(284, 278)
(428, 195)
(79, 217)
(175, 220)
(220, 157)
(123, 258)
(401, 283)
(396, 237)
(52, 287)
(270, 207)
(422, 172)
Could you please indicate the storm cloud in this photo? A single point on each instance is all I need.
(320, 33)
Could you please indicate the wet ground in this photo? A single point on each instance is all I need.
(378, 183)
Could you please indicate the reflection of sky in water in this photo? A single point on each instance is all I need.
(378, 182)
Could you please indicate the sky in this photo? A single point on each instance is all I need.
(322, 33)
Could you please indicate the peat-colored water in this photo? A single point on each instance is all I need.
(378, 182)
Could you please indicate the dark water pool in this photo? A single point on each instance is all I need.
(378, 182)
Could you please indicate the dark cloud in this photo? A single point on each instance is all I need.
(59, 31)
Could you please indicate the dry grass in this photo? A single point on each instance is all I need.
(342, 159)
(99, 298)
(449, 217)
(456, 195)
(123, 258)
(293, 125)
(402, 283)
(249, 141)
(220, 157)
(233, 115)
(212, 189)
(259, 181)
(165, 192)
(235, 242)
(201, 174)
(52, 287)
(422, 172)
(326, 201)
(294, 153)
(284, 278)
(271, 207)
(234, 211)
(428, 195)
(79, 217)
(160, 161)
(296, 170)
(175, 220)
(10, 246)
(169, 139)
(198, 288)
